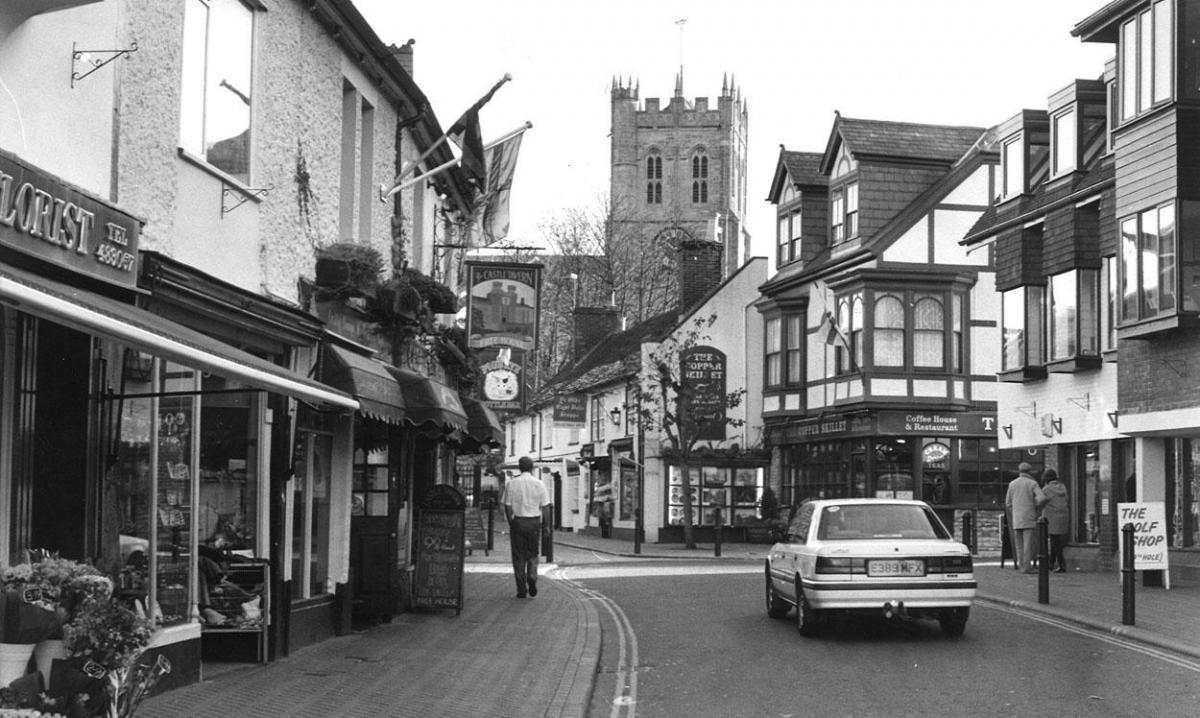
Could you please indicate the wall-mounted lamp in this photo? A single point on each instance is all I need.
(615, 415)
(1007, 431)
(1112, 417)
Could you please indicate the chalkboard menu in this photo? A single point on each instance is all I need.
(475, 531)
(438, 579)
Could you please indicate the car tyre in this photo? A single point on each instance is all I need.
(807, 619)
(777, 606)
(954, 620)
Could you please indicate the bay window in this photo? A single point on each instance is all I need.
(794, 349)
(774, 351)
(889, 331)
(848, 353)
(929, 334)
(1073, 314)
(1021, 327)
(1147, 59)
(1147, 264)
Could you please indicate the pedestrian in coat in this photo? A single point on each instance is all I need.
(527, 508)
(1023, 502)
(1057, 513)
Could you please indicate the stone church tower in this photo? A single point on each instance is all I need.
(681, 167)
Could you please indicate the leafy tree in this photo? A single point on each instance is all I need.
(665, 403)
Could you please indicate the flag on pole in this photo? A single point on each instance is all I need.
(465, 133)
(832, 333)
(493, 211)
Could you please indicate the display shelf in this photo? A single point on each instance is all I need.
(252, 581)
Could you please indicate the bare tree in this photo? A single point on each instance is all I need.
(667, 402)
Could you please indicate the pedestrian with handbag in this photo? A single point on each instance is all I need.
(1057, 513)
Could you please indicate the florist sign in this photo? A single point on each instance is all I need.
(43, 216)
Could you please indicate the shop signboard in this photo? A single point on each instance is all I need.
(1149, 533)
(43, 216)
(502, 327)
(702, 370)
(953, 423)
(440, 549)
(570, 409)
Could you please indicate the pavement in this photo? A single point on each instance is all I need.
(504, 656)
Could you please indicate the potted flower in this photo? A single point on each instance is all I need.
(104, 641)
(27, 615)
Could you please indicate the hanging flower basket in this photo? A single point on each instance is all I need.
(349, 268)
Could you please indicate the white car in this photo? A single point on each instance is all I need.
(888, 557)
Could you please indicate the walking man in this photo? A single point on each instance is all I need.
(1023, 502)
(527, 508)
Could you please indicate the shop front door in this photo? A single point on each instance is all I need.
(372, 535)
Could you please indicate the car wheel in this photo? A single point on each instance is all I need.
(954, 620)
(777, 606)
(806, 618)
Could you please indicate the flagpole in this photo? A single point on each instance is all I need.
(524, 126)
(435, 171)
(384, 193)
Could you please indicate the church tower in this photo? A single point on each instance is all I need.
(681, 166)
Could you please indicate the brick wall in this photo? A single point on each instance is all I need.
(1159, 374)
(699, 271)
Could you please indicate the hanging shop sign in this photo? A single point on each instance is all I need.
(43, 216)
(703, 402)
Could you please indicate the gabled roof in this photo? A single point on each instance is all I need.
(798, 168)
(899, 140)
(1101, 26)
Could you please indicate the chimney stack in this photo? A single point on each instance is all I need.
(404, 55)
(699, 271)
(592, 324)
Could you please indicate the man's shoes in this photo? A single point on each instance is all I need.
(520, 594)
(1060, 569)
(532, 588)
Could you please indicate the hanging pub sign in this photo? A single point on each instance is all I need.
(502, 327)
(702, 373)
(43, 216)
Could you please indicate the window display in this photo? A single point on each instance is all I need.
(735, 491)
(310, 514)
(228, 505)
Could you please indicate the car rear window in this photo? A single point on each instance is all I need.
(849, 523)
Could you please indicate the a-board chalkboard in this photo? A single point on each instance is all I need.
(475, 531)
(438, 579)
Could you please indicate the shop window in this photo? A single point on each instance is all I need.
(228, 509)
(310, 515)
(1147, 264)
(215, 90)
(893, 469)
(735, 492)
(1146, 59)
(1084, 459)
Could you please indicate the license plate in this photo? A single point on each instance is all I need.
(896, 567)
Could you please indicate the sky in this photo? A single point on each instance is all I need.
(796, 62)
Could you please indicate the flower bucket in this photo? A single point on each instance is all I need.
(14, 659)
(45, 653)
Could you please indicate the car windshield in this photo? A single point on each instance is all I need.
(849, 523)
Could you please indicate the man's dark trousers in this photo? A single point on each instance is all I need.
(524, 536)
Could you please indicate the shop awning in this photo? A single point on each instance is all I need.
(482, 424)
(97, 314)
(379, 395)
(428, 403)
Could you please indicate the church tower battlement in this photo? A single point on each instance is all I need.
(682, 164)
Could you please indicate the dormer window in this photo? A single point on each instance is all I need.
(1147, 59)
(1012, 161)
(1064, 143)
(843, 213)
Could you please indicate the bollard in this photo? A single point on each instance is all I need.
(491, 522)
(1043, 560)
(1127, 575)
(719, 521)
(968, 530)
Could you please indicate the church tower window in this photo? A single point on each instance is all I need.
(654, 179)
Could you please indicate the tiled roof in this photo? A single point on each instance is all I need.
(944, 143)
(616, 355)
(803, 167)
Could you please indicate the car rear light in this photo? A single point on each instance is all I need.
(949, 564)
(829, 564)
